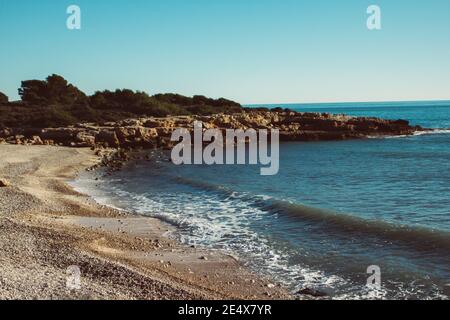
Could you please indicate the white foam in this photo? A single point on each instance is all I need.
(415, 134)
(210, 221)
(434, 131)
(85, 183)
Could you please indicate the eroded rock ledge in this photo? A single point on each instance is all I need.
(156, 132)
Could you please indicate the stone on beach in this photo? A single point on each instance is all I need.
(4, 183)
(312, 292)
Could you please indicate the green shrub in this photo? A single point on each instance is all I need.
(54, 102)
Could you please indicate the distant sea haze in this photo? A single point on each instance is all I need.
(333, 210)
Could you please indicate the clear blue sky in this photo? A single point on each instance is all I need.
(253, 51)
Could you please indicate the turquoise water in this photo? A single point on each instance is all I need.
(334, 209)
(430, 114)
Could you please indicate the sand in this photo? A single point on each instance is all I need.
(46, 228)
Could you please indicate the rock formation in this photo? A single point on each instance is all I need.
(156, 132)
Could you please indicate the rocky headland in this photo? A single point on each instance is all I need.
(152, 132)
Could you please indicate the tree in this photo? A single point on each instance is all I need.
(174, 98)
(55, 102)
(3, 98)
(54, 90)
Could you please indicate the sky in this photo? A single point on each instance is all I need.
(251, 51)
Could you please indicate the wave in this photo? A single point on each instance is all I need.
(433, 131)
(422, 133)
(415, 134)
(420, 238)
(230, 233)
(230, 228)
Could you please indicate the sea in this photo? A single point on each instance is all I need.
(334, 213)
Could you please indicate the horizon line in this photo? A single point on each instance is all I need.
(343, 102)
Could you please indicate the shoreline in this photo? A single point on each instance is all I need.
(47, 227)
(152, 132)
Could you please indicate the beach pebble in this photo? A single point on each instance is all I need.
(312, 292)
(270, 285)
(4, 183)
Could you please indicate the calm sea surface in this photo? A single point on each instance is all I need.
(334, 209)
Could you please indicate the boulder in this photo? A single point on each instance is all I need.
(86, 138)
(107, 137)
(136, 136)
(148, 135)
(19, 139)
(36, 140)
(59, 135)
(126, 135)
(6, 133)
(49, 142)
(4, 183)
(164, 131)
(312, 292)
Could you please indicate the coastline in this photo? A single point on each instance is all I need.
(151, 132)
(122, 255)
(48, 227)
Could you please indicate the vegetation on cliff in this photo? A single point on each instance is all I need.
(3, 98)
(55, 102)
